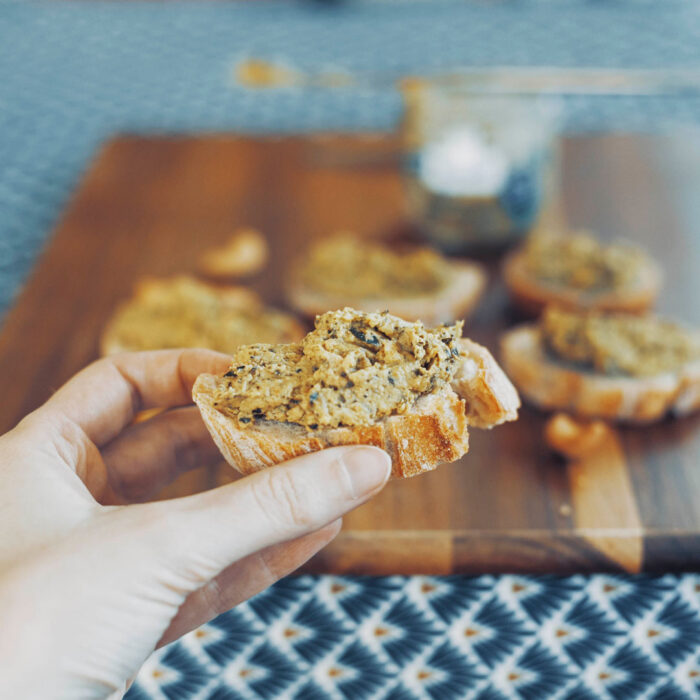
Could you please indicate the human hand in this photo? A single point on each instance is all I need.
(91, 581)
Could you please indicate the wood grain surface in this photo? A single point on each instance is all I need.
(150, 205)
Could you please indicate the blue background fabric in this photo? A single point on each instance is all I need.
(74, 73)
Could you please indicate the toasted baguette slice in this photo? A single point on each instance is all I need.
(552, 384)
(456, 300)
(434, 431)
(183, 311)
(531, 295)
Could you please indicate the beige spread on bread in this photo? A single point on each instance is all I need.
(182, 312)
(580, 261)
(359, 378)
(353, 369)
(345, 264)
(618, 343)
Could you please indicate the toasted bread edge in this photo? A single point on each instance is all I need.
(553, 385)
(530, 296)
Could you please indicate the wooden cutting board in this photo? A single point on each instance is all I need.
(150, 205)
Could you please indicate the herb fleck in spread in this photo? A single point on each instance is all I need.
(344, 265)
(580, 261)
(618, 343)
(352, 369)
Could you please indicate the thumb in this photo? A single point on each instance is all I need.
(195, 538)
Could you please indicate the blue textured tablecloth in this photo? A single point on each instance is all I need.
(71, 74)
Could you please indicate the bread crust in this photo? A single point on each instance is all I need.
(550, 384)
(245, 253)
(433, 432)
(531, 296)
(574, 438)
(455, 301)
(490, 397)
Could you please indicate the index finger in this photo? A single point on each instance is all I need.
(104, 397)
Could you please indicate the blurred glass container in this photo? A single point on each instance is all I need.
(479, 169)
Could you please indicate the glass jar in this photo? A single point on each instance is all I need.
(480, 170)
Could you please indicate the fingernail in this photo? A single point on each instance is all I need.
(368, 469)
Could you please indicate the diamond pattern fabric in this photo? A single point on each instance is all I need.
(304, 638)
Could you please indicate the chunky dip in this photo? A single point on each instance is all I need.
(618, 343)
(578, 260)
(351, 370)
(181, 312)
(345, 264)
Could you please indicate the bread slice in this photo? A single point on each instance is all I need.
(456, 300)
(183, 311)
(553, 384)
(531, 295)
(433, 431)
(411, 282)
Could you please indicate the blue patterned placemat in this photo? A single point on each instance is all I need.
(445, 638)
(74, 73)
